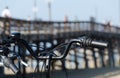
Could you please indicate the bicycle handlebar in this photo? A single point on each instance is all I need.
(84, 41)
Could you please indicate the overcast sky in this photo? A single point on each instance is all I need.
(102, 10)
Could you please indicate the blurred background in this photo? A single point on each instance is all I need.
(48, 23)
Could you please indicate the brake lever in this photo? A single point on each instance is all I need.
(22, 62)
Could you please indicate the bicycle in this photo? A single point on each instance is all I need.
(49, 56)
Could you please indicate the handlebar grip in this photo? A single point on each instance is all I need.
(99, 44)
(89, 42)
(13, 68)
(8, 63)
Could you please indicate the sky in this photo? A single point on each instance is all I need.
(102, 10)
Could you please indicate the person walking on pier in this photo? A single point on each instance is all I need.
(6, 12)
(7, 15)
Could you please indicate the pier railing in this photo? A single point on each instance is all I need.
(8, 25)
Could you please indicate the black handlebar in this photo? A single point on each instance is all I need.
(83, 41)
